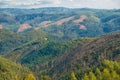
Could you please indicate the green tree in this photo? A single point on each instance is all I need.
(45, 78)
(85, 77)
(109, 71)
(16, 77)
(98, 73)
(115, 76)
(30, 77)
(109, 64)
(73, 77)
(117, 67)
(92, 76)
(106, 74)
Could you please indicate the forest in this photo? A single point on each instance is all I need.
(59, 44)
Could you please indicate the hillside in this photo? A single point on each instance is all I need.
(10, 40)
(88, 56)
(59, 58)
(63, 23)
(12, 71)
(39, 53)
(59, 44)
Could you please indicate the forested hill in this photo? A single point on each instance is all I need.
(89, 56)
(12, 71)
(59, 44)
(63, 23)
(59, 59)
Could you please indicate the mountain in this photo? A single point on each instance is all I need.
(63, 23)
(87, 56)
(59, 43)
(59, 59)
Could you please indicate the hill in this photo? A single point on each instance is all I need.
(60, 43)
(12, 71)
(10, 40)
(63, 23)
(87, 56)
(59, 58)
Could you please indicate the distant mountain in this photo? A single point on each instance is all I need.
(62, 22)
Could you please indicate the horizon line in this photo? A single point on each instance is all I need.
(61, 7)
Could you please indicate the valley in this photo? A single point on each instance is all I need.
(59, 43)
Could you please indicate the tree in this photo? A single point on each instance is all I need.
(106, 74)
(45, 78)
(73, 77)
(85, 77)
(109, 71)
(30, 77)
(99, 76)
(117, 67)
(109, 64)
(115, 76)
(16, 77)
(92, 76)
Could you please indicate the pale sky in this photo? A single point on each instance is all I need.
(98, 4)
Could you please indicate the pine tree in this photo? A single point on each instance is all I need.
(111, 71)
(45, 78)
(85, 77)
(109, 64)
(73, 77)
(92, 76)
(117, 67)
(98, 73)
(106, 74)
(16, 77)
(115, 76)
(30, 77)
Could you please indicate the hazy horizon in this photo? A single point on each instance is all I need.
(102, 4)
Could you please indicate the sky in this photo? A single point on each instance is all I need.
(98, 4)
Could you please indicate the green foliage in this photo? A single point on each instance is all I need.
(92, 76)
(85, 77)
(106, 74)
(99, 74)
(45, 78)
(73, 77)
(115, 76)
(11, 71)
(98, 22)
(109, 72)
(47, 51)
(30, 77)
(10, 40)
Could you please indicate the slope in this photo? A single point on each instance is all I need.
(12, 71)
(63, 23)
(87, 56)
(10, 40)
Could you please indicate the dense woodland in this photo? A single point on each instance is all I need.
(64, 44)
